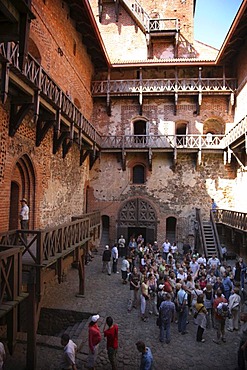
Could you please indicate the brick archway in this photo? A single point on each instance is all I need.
(22, 186)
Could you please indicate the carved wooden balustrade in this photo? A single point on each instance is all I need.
(163, 24)
(165, 86)
(36, 76)
(45, 246)
(236, 220)
(163, 141)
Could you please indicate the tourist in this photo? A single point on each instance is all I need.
(165, 249)
(227, 285)
(144, 297)
(213, 205)
(166, 316)
(135, 281)
(69, 350)
(121, 246)
(111, 335)
(152, 291)
(243, 343)
(146, 356)
(219, 320)
(213, 262)
(114, 254)
(182, 309)
(234, 308)
(106, 260)
(200, 318)
(208, 303)
(24, 218)
(94, 338)
(125, 269)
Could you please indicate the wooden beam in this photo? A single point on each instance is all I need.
(42, 127)
(4, 81)
(17, 116)
(83, 156)
(32, 323)
(67, 144)
(24, 28)
(58, 140)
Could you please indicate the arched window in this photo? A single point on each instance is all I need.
(138, 174)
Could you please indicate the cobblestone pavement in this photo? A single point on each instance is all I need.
(107, 295)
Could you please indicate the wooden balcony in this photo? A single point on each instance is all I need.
(11, 283)
(167, 86)
(45, 247)
(233, 219)
(162, 142)
(38, 79)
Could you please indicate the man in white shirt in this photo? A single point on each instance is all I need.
(214, 262)
(24, 218)
(68, 360)
(166, 246)
(114, 254)
(121, 246)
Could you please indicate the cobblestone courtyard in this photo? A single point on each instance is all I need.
(107, 295)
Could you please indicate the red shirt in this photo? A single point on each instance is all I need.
(111, 335)
(94, 336)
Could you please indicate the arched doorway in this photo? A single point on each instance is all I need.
(214, 125)
(137, 216)
(171, 225)
(105, 221)
(22, 186)
(14, 205)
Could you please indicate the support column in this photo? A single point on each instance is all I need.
(80, 258)
(12, 329)
(31, 322)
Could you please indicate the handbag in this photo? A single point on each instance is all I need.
(197, 312)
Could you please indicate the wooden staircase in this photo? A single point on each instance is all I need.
(209, 238)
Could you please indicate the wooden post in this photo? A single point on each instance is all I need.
(12, 329)
(80, 256)
(31, 322)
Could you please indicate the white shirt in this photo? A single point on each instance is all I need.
(25, 213)
(69, 355)
(166, 247)
(125, 265)
(114, 252)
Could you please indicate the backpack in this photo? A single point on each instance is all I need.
(223, 310)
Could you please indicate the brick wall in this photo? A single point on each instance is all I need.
(58, 185)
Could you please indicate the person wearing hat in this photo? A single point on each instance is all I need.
(24, 217)
(94, 338)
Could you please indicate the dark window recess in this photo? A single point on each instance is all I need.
(138, 174)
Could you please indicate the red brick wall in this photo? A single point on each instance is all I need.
(58, 185)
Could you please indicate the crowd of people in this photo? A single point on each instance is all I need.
(172, 284)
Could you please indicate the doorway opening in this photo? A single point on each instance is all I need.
(171, 224)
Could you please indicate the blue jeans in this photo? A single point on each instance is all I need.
(165, 326)
(182, 320)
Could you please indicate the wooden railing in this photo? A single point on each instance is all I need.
(163, 24)
(39, 79)
(237, 131)
(200, 233)
(163, 141)
(10, 274)
(237, 220)
(216, 235)
(165, 85)
(45, 246)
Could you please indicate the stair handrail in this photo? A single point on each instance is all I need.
(216, 235)
(201, 232)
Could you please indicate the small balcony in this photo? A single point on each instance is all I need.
(162, 142)
(166, 86)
